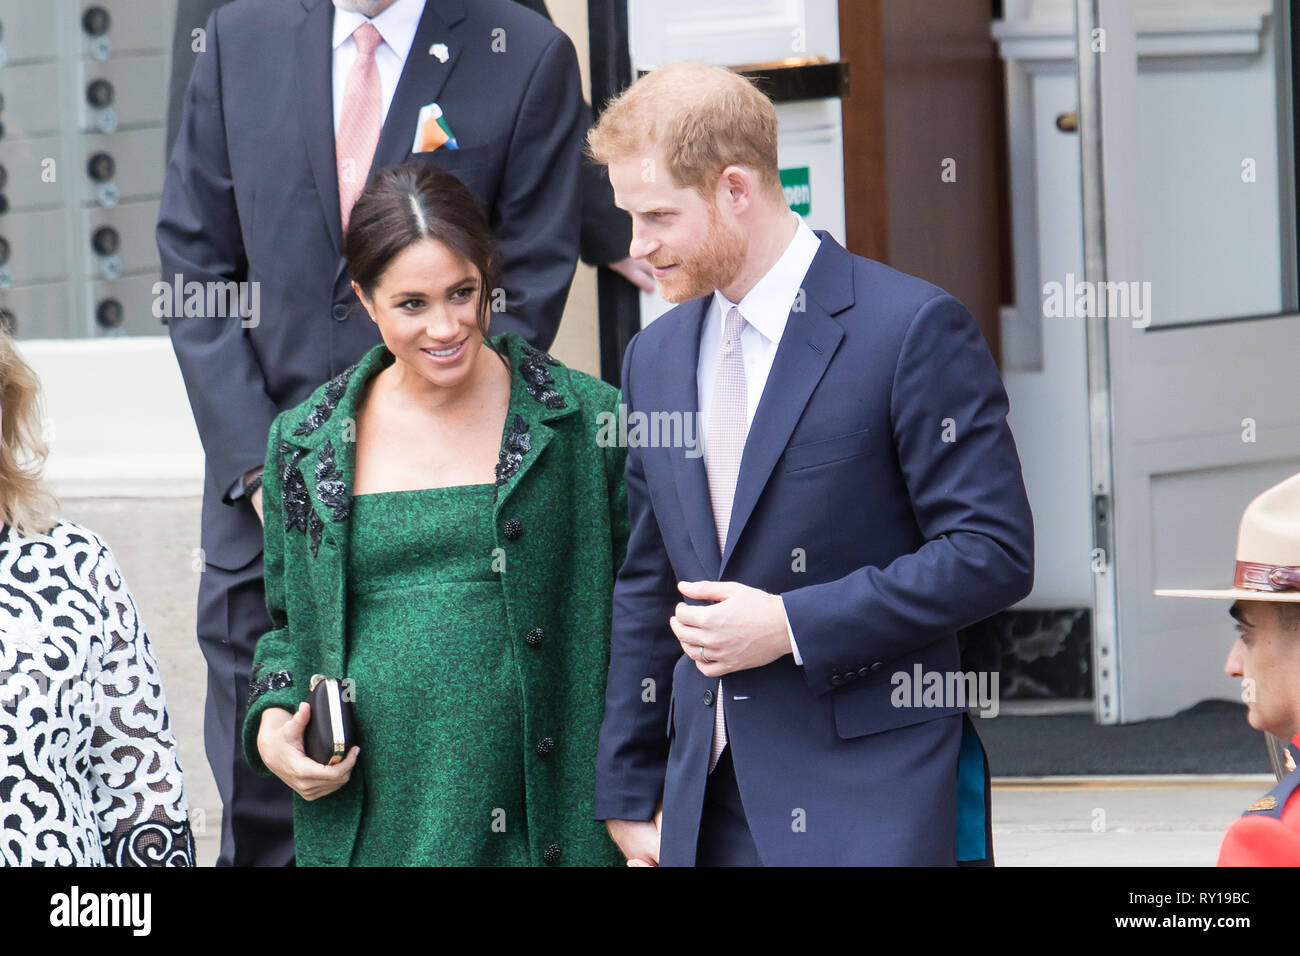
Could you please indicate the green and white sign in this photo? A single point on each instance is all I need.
(798, 191)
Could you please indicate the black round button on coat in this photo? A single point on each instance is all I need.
(340, 313)
(708, 698)
(836, 680)
(545, 746)
(864, 671)
(876, 666)
(552, 853)
(535, 637)
(514, 529)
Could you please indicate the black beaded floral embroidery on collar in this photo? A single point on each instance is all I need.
(330, 488)
(334, 390)
(537, 379)
(518, 443)
(298, 513)
(293, 488)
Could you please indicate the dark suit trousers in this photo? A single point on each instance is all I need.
(257, 811)
(724, 839)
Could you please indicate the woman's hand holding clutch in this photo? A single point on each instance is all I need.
(279, 741)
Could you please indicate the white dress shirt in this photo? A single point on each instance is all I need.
(397, 26)
(765, 308)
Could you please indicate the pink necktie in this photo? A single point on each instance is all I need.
(724, 445)
(359, 125)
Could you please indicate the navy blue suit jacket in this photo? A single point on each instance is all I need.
(884, 539)
(251, 193)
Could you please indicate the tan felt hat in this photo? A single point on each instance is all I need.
(1268, 550)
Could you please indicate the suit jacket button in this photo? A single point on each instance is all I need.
(340, 313)
(708, 698)
(514, 529)
(876, 666)
(850, 675)
(545, 745)
(535, 637)
(864, 671)
(836, 680)
(552, 853)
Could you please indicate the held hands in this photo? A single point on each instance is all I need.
(638, 839)
(745, 629)
(279, 741)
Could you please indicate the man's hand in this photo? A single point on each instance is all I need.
(635, 271)
(638, 839)
(279, 741)
(256, 502)
(743, 630)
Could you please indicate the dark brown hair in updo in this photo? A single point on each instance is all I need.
(406, 204)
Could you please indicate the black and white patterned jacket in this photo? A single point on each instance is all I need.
(89, 772)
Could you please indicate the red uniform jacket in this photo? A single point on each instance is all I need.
(1268, 834)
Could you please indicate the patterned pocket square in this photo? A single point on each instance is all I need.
(432, 131)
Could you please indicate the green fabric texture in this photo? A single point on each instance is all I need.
(427, 622)
(552, 532)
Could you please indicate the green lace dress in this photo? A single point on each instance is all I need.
(427, 623)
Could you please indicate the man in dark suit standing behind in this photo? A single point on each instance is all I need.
(290, 104)
(606, 230)
(859, 500)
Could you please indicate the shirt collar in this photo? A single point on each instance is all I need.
(396, 25)
(767, 305)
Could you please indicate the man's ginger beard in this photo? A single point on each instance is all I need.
(714, 266)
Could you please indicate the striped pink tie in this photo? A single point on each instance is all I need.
(359, 125)
(724, 445)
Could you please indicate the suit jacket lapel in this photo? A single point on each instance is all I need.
(807, 345)
(314, 76)
(422, 80)
(681, 393)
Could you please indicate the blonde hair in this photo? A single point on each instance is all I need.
(705, 118)
(24, 503)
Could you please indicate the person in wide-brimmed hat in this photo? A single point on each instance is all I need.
(1266, 657)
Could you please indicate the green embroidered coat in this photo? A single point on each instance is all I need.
(561, 529)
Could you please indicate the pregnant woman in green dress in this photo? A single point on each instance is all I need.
(444, 521)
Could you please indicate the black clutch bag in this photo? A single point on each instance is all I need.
(331, 730)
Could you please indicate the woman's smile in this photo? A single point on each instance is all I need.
(447, 356)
